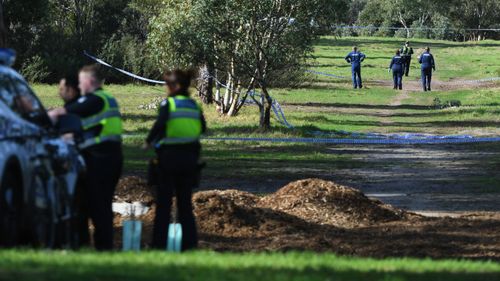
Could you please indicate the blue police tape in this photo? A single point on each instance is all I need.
(356, 138)
(358, 141)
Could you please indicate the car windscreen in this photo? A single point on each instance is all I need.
(17, 95)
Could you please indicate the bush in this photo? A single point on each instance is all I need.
(442, 27)
(418, 32)
(370, 30)
(348, 31)
(35, 69)
(130, 54)
(401, 33)
(385, 31)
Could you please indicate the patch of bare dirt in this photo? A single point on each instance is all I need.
(317, 215)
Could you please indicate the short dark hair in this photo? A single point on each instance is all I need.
(94, 70)
(427, 48)
(181, 77)
(71, 81)
(355, 48)
(398, 52)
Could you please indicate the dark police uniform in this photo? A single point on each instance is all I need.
(176, 135)
(427, 65)
(72, 101)
(406, 53)
(355, 58)
(397, 66)
(102, 150)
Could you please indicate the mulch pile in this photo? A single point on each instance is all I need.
(325, 202)
(133, 189)
(317, 215)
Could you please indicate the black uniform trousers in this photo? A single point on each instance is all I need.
(104, 168)
(426, 78)
(407, 65)
(179, 176)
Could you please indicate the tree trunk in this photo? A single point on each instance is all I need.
(265, 111)
(206, 85)
(3, 30)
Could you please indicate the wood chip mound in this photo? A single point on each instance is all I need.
(233, 213)
(133, 189)
(325, 202)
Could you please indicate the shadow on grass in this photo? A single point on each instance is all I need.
(364, 106)
(409, 124)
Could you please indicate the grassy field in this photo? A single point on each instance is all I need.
(207, 266)
(453, 60)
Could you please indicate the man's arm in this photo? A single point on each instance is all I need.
(432, 62)
(363, 56)
(348, 58)
(160, 125)
(86, 106)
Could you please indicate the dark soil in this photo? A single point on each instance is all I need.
(316, 215)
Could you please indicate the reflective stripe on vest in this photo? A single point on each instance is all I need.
(184, 122)
(110, 120)
(96, 119)
(93, 141)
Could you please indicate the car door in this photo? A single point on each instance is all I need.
(25, 122)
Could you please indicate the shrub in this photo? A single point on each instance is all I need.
(35, 69)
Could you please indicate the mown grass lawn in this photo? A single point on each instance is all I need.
(207, 266)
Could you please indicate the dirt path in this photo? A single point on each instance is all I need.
(411, 84)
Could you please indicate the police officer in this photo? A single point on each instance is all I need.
(406, 53)
(68, 90)
(427, 66)
(175, 136)
(355, 58)
(102, 150)
(397, 67)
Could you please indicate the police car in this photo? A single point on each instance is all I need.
(39, 170)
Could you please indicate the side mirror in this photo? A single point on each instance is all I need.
(69, 123)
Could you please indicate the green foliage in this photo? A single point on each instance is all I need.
(34, 69)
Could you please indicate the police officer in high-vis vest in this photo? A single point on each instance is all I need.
(406, 53)
(101, 149)
(176, 139)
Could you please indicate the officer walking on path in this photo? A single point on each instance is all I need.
(397, 67)
(406, 53)
(427, 65)
(176, 138)
(355, 58)
(102, 150)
